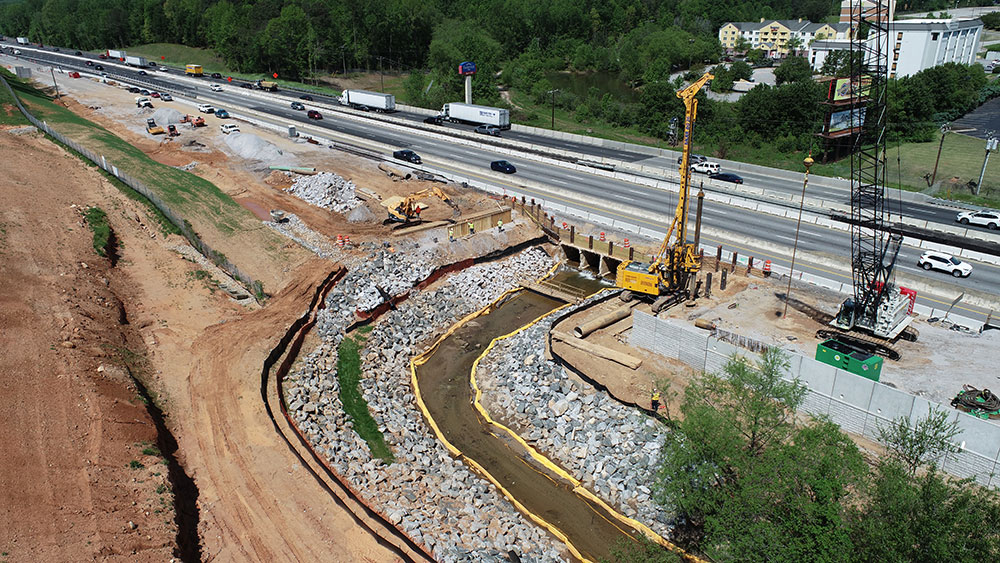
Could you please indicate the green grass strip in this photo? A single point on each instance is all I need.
(98, 222)
(349, 376)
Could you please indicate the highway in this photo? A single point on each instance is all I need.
(830, 249)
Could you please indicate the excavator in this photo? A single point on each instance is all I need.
(665, 279)
(407, 209)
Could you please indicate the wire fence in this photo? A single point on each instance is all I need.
(217, 258)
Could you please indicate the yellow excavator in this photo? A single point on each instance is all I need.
(665, 279)
(407, 209)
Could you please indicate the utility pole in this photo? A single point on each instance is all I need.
(343, 57)
(57, 90)
(991, 145)
(553, 92)
(945, 129)
(380, 75)
(788, 292)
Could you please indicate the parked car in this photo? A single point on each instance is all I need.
(487, 130)
(933, 260)
(98, 67)
(230, 128)
(133, 90)
(144, 92)
(706, 168)
(298, 106)
(216, 88)
(434, 120)
(693, 159)
(166, 98)
(503, 166)
(216, 75)
(407, 155)
(726, 177)
(313, 114)
(206, 108)
(143, 73)
(988, 219)
(154, 94)
(221, 113)
(306, 97)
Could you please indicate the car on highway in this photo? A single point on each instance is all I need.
(17, 51)
(230, 128)
(102, 56)
(216, 75)
(503, 166)
(56, 49)
(206, 108)
(706, 168)
(988, 219)
(246, 85)
(487, 130)
(313, 114)
(74, 74)
(216, 88)
(434, 120)
(221, 113)
(151, 64)
(89, 63)
(78, 53)
(98, 67)
(298, 106)
(306, 97)
(166, 98)
(693, 159)
(143, 73)
(933, 260)
(163, 69)
(407, 155)
(726, 177)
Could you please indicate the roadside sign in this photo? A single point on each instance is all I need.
(466, 68)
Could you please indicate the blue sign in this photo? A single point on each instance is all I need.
(466, 68)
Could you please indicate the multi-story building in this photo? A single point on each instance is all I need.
(772, 36)
(846, 7)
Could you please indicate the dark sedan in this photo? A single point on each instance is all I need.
(434, 120)
(306, 97)
(216, 75)
(503, 166)
(313, 114)
(726, 177)
(407, 155)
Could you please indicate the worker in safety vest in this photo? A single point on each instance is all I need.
(654, 400)
(500, 225)
(451, 234)
(472, 228)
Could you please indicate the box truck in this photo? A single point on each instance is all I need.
(193, 70)
(136, 61)
(362, 99)
(23, 41)
(113, 54)
(478, 115)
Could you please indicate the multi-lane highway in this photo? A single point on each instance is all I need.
(823, 251)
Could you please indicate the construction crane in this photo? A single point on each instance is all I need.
(666, 278)
(877, 307)
(407, 209)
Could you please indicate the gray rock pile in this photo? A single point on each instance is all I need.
(166, 116)
(611, 448)
(293, 228)
(252, 147)
(435, 498)
(326, 190)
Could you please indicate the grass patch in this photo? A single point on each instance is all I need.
(97, 220)
(540, 115)
(180, 55)
(136, 464)
(9, 114)
(349, 376)
(151, 450)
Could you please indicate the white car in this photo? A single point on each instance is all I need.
(230, 128)
(932, 260)
(216, 88)
(988, 219)
(706, 167)
(206, 108)
(163, 69)
(166, 98)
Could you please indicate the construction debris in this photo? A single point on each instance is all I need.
(326, 190)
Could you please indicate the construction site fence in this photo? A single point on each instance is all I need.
(176, 220)
(857, 404)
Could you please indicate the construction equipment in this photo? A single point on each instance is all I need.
(152, 128)
(198, 121)
(877, 307)
(407, 209)
(666, 277)
(172, 130)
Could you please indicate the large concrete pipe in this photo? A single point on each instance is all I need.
(601, 322)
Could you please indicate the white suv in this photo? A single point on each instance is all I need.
(216, 88)
(706, 167)
(230, 128)
(932, 260)
(206, 108)
(989, 219)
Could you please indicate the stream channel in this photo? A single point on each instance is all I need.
(444, 384)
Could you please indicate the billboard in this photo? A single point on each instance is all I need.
(845, 89)
(847, 119)
(466, 68)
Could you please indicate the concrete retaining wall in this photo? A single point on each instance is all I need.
(857, 404)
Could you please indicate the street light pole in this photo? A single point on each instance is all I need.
(788, 292)
(991, 145)
(944, 131)
(553, 92)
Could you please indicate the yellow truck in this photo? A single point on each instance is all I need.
(193, 70)
(266, 85)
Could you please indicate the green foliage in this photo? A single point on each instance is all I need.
(135, 464)
(792, 69)
(151, 450)
(97, 220)
(991, 20)
(642, 551)
(349, 376)
(928, 441)
(740, 70)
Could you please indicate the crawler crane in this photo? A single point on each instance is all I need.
(666, 278)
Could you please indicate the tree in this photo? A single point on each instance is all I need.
(755, 56)
(794, 45)
(740, 70)
(742, 45)
(793, 69)
(929, 440)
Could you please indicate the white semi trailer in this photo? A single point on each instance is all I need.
(135, 61)
(115, 54)
(23, 41)
(478, 115)
(361, 99)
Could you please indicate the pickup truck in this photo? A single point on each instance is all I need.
(206, 108)
(143, 102)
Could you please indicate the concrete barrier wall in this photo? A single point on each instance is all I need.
(856, 404)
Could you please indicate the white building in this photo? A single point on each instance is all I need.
(819, 50)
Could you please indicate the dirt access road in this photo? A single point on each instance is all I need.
(79, 429)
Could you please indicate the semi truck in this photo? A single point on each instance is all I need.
(113, 54)
(136, 61)
(363, 99)
(477, 115)
(23, 41)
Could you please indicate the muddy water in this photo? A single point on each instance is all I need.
(444, 383)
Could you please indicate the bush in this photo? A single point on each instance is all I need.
(97, 220)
